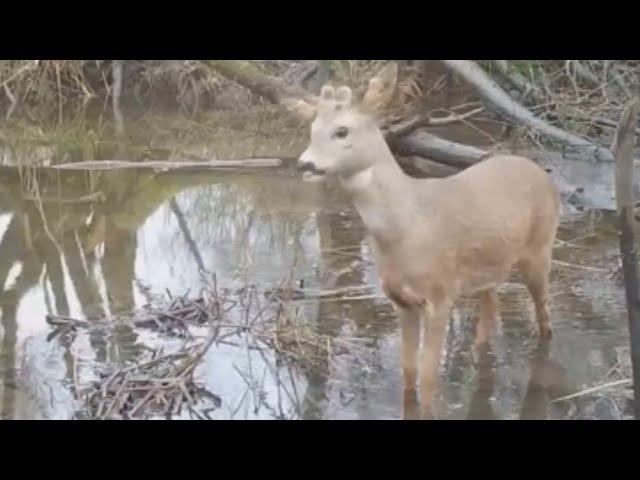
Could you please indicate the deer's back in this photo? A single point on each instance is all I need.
(477, 224)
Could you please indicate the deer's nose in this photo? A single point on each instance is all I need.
(306, 166)
(303, 161)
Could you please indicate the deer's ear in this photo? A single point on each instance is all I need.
(343, 96)
(327, 93)
(381, 89)
(300, 108)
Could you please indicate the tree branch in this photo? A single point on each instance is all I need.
(623, 151)
(491, 92)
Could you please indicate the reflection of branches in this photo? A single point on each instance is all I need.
(35, 187)
(9, 303)
(335, 233)
(243, 244)
(184, 228)
(8, 244)
(84, 284)
(118, 267)
(7, 360)
(55, 275)
(117, 72)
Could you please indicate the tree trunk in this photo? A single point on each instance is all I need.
(623, 151)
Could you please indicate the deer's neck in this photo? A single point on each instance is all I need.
(382, 194)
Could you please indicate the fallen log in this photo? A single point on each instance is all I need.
(421, 167)
(430, 146)
(165, 165)
(96, 197)
(495, 96)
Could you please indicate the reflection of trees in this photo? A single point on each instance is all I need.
(82, 239)
(186, 233)
(345, 268)
(246, 215)
(14, 249)
(329, 314)
(46, 236)
(83, 282)
(7, 360)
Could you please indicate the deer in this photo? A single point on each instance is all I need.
(434, 240)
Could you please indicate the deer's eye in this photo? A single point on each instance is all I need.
(341, 132)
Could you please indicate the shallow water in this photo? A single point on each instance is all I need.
(63, 252)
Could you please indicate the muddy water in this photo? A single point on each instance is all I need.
(66, 250)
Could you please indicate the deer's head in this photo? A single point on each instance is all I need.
(345, 136)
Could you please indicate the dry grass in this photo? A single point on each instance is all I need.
(45, 89)
(581, 96)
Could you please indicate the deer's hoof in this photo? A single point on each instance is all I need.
(545, 333)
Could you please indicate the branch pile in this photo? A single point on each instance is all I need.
(165, 384)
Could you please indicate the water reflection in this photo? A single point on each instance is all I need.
(93, 258)
(93, 245)
(547, 380)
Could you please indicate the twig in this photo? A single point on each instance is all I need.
(20, 71)
(427, 121)
(116, 397)
(583, 267)
(617, 383)
(141, 403)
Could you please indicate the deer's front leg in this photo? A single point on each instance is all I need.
(410, 325)
(436, 319)
(488, 311)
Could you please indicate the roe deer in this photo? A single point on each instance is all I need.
(434, 239)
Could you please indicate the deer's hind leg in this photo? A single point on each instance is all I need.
(535, 271)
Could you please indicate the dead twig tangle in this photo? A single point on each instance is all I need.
(165, 383)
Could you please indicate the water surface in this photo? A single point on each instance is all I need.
(96, 244)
